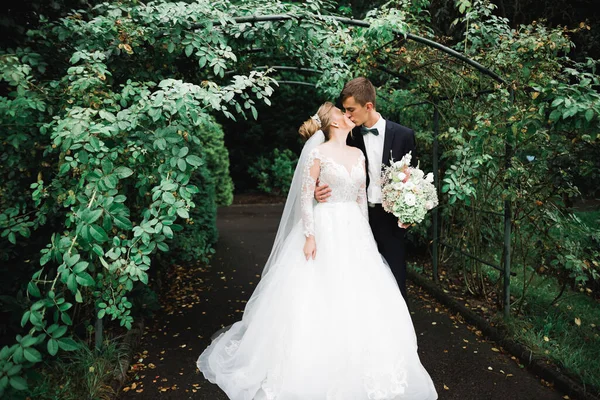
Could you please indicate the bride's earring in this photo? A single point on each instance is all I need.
(335, 124)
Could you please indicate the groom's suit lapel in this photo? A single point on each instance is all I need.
(387, 143)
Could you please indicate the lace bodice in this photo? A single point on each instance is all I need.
(346, 185)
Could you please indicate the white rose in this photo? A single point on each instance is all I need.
(429, 205)
(409, 185)
(418, 174)
(401, 176)
(410, 199)
(429, 177)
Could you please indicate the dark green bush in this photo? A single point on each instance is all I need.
(274, 173)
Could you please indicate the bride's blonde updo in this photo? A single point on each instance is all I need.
(311, 125)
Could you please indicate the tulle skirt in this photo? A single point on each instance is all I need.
(332, 328)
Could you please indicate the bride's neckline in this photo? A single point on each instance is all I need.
(334, 161)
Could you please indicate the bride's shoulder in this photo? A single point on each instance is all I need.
(320, 149)
(357, 152)
(316, 152)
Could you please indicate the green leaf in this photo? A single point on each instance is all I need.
(90, 217)
(18, 382)
(589, 114)
(68, 344)
(78, 297)
(123, 172)
(52, 347)
(25, 318)
(98, 233)
(192, 189)
(122, 222)
(97, 250)
(183, 152)
(35, 318)
(160, 144)
(85, 279)
(65, 318)
(33, 289)
(183, 213)
(107, 166)
(555, 115)
(168, 198)
(80, 267)
(168, 232)
(194, 161)
(45, 258)
(72, 283)
(5, 353)
(181, 164)
(110, 117)
(143, 277)
(59, 332)
(28, 341)
(32, 355)
(14, 370)
(71, 260)
(18, 355)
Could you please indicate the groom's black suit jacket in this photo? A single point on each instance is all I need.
(398, 141)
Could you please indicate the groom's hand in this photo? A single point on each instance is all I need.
(322, 192)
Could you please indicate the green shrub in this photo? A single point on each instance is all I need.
(274, 173)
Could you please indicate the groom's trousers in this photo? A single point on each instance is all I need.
(390, 241)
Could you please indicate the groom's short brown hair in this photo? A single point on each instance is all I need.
(361, 89)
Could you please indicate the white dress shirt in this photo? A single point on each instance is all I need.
(374, 149)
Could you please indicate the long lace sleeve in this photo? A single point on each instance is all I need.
(309, 181)
(361, 198)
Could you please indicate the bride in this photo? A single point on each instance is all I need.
(327, 320)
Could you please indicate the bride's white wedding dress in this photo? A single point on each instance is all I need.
(332, 328)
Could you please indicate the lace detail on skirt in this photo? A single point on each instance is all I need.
(268, 387)
(396, 383)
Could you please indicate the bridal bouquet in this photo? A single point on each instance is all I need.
(407, 192)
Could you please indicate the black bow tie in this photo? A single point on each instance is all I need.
(364, 130)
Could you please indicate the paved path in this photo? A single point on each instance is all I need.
(202, 299)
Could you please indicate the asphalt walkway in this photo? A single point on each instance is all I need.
(201, 299)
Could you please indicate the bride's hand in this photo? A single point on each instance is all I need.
(310, 248)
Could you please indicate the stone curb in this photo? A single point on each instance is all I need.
(132, 339)
(535, 364)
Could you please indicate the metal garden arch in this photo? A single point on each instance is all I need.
(505, 268)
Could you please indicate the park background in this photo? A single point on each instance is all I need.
(125, 125)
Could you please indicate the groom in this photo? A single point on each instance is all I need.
(380, 141)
